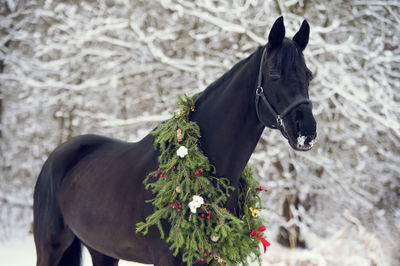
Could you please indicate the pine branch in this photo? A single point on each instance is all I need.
(179, 179)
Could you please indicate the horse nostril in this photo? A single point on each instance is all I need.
(298, 126)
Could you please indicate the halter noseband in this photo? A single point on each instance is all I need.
(279, 117)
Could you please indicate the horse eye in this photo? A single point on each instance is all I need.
(274, 75)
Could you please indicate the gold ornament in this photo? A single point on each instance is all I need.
(220, 260)
(214, 238)
(254, 212)
(179, 134)
(181, 112)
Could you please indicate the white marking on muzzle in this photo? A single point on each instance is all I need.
(300, 140)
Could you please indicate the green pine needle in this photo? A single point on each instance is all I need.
(212, 229)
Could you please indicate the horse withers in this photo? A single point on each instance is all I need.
(90, 190)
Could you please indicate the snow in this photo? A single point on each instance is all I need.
(116, 69)
(21, 252)
(301, 140)
(347, 247)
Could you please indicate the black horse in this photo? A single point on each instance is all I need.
(90, 189)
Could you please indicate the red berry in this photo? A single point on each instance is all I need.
(158, 169)
(163, 173)
(202, 215)
(208, 217)
(179, 210)
(196, 173)
(260, 188)
(209, 212)
(174, 168)
(202, 259)
(201, 170)
(155, 175)
(211, 254)
(205, 253)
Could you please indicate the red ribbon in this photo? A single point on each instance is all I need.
(263, 240)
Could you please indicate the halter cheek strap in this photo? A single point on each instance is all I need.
(278, 117)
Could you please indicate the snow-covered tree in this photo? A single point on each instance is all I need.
(116, 67)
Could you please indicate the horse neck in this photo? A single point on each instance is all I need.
(228, 122)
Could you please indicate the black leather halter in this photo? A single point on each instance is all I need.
(278, 117)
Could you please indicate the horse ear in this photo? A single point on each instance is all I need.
(277, 33)
(301, 37)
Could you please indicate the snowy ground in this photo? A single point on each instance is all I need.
(21, 252)
(116, 67)
(350, 246)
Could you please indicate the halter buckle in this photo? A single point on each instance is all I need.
(279, 121)
(259, 90)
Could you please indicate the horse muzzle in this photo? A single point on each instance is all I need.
(301, 129)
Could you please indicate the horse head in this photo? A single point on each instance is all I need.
(283, 87)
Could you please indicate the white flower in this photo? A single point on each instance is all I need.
(192, 207)
(198, 199)
(182, 151)
(195, 203)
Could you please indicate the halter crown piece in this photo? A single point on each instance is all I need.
(278, 117)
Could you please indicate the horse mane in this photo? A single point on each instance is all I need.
(226, 77)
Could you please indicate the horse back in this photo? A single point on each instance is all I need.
(59, 162)
(46, 210)
(94, 183)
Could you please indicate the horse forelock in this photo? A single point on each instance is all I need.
(286, 56)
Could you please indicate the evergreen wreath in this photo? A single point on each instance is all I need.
(189, 195)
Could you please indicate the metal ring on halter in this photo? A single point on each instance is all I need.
(259, 90)
(279, 121)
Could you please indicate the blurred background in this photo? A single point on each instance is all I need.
(116, 67)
